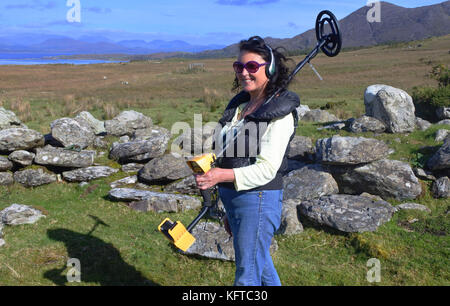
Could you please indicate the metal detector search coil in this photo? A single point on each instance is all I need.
(177, 234)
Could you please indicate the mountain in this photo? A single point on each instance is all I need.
(397, 24)
(56, 44)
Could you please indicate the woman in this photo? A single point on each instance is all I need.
(250, 174)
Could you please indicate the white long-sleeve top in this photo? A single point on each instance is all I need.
(273, 145)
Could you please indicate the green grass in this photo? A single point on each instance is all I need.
(117, 245)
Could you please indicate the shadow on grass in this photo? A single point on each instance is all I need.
(100, 262)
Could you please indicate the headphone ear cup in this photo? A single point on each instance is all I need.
(270, 69)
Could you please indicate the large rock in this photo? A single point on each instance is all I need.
(441, 187)
(127, 122)
(64, 158)
(5, 164)
(186, 185)
(318, 115)
(22, 157)
(88, 174)
(443, 113)
(6, 178)
(183, 202)
(290, 222)
(9, 120)
(307, 183)
(422, 124)
(441, 135)
(440, 159)
(412, 206)
(164, 169)
(34, 177)
(145, 144)
(386, 178)
(87, 120)
(339, 150)
(366, 124)
(302, 110)
(301, 148)
(18, 214)
(393, 106)
(212, 241)
(14, 139)
(347, 213)
(70, 132)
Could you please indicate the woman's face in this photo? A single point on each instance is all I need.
(252, 82)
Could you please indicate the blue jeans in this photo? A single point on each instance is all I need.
(254, 216)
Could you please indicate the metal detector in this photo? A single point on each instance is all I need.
(329, 40)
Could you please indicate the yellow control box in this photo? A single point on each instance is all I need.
(202, 164)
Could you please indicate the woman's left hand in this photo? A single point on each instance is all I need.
(213, 177)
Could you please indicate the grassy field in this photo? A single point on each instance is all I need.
(117, 245)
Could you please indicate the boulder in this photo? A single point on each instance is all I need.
(34, 177)
(70, 132)
(366, 124)
(6, 178)
(88, 174)
(14, 139)
(212, 241)
(392, 106)
(126, 123)
(129, 180)
(302, 110)
(22, 157)
(339, 150)
(290, 223)
(9, 120)
(444, 122)
(307, 183)
(441, 135)
(301, 148)
(443, 113)
(318, 115)
(440, 159)
(441, 187)
(412, 206)
(132, 167)
(87, 120)
(18, 214)
(386, 178)
(186, 185)
(422, 124)
(143, 146)
(347, 213)
(183, 202)
(5, 164)
(164, 169)
(61, 157)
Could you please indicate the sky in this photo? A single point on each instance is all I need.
(201, 22)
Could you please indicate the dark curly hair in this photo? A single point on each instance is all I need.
(256, 44)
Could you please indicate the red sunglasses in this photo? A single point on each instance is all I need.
(251, 66)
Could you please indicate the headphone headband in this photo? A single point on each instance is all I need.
(270, 69)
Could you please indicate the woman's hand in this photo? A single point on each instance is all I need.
(213, 177)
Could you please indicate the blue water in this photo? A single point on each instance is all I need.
(41, 59)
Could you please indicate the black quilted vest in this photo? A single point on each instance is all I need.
(247, 146)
